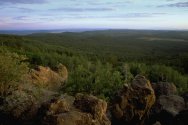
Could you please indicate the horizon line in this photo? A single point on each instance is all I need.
(96, 29)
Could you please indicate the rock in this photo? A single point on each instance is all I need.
(132, 104)
(166, 108)
(185, 96)
(157, 123)
(172, 104)
(91, 104)
(164, 88)
(21, 106)
(59, 106)
(46, 78)
(62, 71)
(70, 118)
(182, 118)
(84, 110)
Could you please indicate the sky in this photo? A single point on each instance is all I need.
(93, 14)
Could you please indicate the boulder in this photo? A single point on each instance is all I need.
(17, 107)
(185, 96)
(81, 110)
(22, 102)
(172, 104)
(132, 104)
(92, 105)
(157, 123)
(62, 71)
(21, 106)
(164, 88)
(181, 118)
(166, 108)
(46, 78)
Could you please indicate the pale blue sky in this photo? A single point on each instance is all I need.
(110, 14)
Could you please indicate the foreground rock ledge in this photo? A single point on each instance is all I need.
(81, 110)
(133, 103)
(46, 78)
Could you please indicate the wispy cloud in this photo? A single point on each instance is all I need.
(112, 17)
(93, 13)
(26, 9)
(23, 1)
(82, 9)
(109, 3)
(20, 9)
(178, 4)
(170, 0)
(135, 15)
(20, 18)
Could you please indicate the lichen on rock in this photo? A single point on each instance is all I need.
(46, 78)
(133, 103)
(84, 110)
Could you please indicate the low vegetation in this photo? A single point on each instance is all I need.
(12, 69)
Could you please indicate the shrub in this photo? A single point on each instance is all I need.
(11, 69)
(157, 73)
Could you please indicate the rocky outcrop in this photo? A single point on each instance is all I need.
(46, 78)
(21, 106)
(181, 118)
(157, 123)
(185, 96)
(164, 88)
(81, 110)
(38, 102)
(172, 104)
(167, 105)
(133, 103)
(22, 103)
(35, 103)
(166, 108)
(62, 71)
(17, 107)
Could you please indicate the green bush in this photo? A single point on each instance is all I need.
(157, 73)
(11, 69)
(97, 79)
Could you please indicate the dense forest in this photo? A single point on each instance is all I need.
(99, 62)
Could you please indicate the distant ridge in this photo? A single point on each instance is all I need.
(27, 32)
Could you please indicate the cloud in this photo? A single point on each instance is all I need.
(35, 18)
(20, 9)
(23, 1)
(82, 9)
(67, 17)
(178, 4)
(117, 16)
(136, 15)
(25, 9)
(20, 18)
(109, 3)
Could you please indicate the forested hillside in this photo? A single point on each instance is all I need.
(164, 47)
(99, 62)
